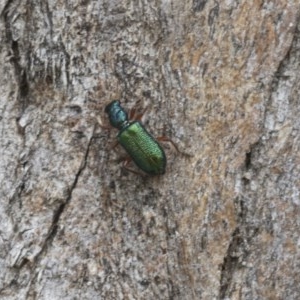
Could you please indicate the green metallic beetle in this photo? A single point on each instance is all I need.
(144, 150)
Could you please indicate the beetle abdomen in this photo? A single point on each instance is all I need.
(143, 148)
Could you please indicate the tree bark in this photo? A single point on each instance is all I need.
(221, 79)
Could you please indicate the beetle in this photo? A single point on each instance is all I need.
(141, 146)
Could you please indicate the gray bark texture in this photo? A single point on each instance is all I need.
(219, 78)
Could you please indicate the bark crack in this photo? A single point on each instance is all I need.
(241, 238)
(58, 213)
(230, 263)
(20, 72)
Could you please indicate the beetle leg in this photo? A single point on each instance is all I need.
(126, 162)
(99, 121)
(166, 139)
(134, 116)
(114, 145)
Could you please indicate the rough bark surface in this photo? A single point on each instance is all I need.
(221, 79)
